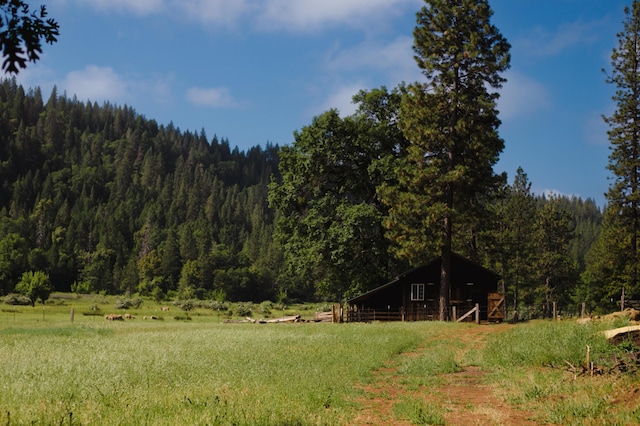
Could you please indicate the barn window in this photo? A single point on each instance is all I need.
(417, 291)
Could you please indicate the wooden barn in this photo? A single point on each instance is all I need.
(414, 295)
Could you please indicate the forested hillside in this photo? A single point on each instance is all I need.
(104, 200)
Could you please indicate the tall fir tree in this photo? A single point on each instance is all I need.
(623, 196)
(451, 122)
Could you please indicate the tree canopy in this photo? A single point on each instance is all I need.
(619, 266)
(451, 122)
(330, 224)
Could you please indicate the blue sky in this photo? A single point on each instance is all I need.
(253, 71)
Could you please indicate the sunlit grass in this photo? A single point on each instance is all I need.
(205, 371)
(541, 366)
(131, 372)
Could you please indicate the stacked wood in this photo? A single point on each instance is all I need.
(323, 317)
(289, 319)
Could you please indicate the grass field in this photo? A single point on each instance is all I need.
(204, 371)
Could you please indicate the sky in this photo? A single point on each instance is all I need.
(254, 71)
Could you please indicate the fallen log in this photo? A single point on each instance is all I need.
(611, 334)
(292, 318)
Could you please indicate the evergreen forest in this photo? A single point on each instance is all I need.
(104, 200)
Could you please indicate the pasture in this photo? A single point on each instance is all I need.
(203, 371)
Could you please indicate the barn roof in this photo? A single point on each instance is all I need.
(413, 271)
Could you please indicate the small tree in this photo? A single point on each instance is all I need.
(35, 285)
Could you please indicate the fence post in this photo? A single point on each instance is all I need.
(477, 313)
(454, 313)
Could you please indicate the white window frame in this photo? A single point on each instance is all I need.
(417, 292)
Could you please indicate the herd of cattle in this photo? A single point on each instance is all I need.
(120, 317)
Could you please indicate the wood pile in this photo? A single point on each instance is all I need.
(289, 319)
(323, 317)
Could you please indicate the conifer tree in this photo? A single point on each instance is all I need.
(623, 196)
(451, 121)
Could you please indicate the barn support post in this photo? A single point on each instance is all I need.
(454, 314)
(477, 313)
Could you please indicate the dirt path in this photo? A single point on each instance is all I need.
(464, 397)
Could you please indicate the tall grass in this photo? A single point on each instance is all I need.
(541, 366)
(167, 373)
(550, 343)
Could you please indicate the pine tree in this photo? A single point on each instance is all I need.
(451, 121)
(623, 195)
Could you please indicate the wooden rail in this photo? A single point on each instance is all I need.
(476, 310)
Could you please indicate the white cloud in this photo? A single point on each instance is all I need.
(139, 7)
(395, 59)
(214, 97)
(96, 84)
(522, 95)
(281, 15)
(305, 15)
(341, 99)
(225, 12)
(542, 42)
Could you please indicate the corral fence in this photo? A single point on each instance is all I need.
(427, 313)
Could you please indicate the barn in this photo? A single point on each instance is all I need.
(414, 295)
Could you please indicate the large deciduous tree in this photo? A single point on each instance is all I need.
(330, 221)
(623, 196)
(22, 33)
(451, 122)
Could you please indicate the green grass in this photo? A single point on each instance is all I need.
(539, 366)
(169, 372)
(419, 413)
(205, 371)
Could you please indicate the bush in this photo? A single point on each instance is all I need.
(128, 303)
(17, 299)
(265, 307)
(243, 309)
(186, 305)
(216, 305)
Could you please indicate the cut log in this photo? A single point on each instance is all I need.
(618, 335)
(292, 318)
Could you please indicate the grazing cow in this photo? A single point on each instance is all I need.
(114, 317)
(164, 308)
(129, 316)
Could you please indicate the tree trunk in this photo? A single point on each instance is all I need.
(445, 271)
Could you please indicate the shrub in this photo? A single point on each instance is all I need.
(216, 305)
(265, 307)
(243, 309)
(186, 305)
(17, 299)
(128, 303)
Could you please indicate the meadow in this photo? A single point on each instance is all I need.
(205, 371)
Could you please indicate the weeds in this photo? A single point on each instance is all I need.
(419, 413)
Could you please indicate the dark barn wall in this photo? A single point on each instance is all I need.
(471, 284)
